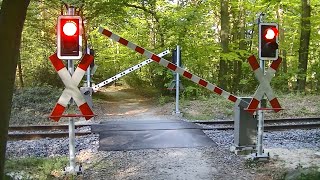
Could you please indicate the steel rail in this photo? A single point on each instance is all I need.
(272, 127)
(268, 121)
(43, 127)
(32, 136)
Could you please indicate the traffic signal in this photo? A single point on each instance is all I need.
(268, 41)
(69, 39)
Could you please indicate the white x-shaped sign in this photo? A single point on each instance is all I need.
(71, 90)
(264, 87)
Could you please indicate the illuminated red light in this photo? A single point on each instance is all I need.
(69, 28)
(271, 33)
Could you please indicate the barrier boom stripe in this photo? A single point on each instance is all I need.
(174, 68)
(127, 71)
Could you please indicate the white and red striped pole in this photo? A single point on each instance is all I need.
(174, 68)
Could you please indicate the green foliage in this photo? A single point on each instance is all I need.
(301, 173)
(159, 25)
(31, 105)
(162, 100)
(310, 175)
(191, 91)
(34, 167)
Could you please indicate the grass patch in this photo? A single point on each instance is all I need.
(311, 173)
(162, 100)
(35, 168)
(207, 108)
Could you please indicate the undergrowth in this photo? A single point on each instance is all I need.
(32, 105)
(35, 167)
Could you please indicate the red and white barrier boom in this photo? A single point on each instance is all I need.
(264, 87)
(127, 71)
(71, 90)
(174, 68)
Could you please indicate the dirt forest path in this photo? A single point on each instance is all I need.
(119, 102)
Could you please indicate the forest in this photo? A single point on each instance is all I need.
(216, 38)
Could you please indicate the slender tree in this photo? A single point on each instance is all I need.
(224, 34)
(304, 44)
(12, 17)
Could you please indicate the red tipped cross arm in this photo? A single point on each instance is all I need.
(264, 87)
(71, 90)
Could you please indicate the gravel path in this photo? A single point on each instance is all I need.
(176, 163)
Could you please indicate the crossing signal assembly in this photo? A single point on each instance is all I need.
(69, 39)
(268, 41)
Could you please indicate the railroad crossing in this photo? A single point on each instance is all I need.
(130, 135)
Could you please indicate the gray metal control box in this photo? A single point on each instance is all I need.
(245, 126)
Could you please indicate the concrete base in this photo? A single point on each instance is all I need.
(77, 171)
(243, 150)
(178, 114)
(256, 157)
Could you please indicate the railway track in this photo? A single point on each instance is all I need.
(43, 131)
(61, 131)
(270, 124)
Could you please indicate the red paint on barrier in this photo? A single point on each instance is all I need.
(187, 74)
(123, 41)
(57, 111)
(86, 110)
(217, 90)
(139, 50)
(155, 58)
(253, 62)
(172, 66)
(203, 83)
(232, 98)
(85, 62)
(107, 33)
(275, 104)
(56, 62)
(253, 105)
(275, 64)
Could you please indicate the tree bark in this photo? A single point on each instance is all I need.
(224, 34)
(12, 17)
(304, 45)
(240, 30)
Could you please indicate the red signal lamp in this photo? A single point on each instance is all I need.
(69, 28)
(271, 33)
(268, 41)
(69, 37)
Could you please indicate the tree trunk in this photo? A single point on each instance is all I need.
(304, 45)
(283, 53)
(224, 34)
(240, 30)
(12, 17)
